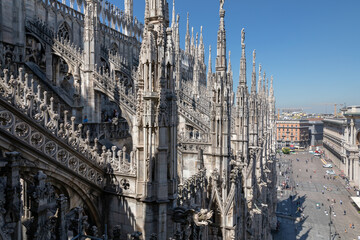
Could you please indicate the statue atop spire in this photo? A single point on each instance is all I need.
(221, 41)
(242, 79)
(222, 2)
(173, 15)
(242, 36)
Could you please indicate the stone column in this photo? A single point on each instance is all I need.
(13, 195)
(91, 57)
(48, 55)
(61, 230)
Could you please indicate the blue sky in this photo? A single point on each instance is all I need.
(311, 47)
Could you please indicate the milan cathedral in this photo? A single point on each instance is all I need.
(109, 130)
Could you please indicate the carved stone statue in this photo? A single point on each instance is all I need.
(203, 217)
(222, 2)
(242, 36)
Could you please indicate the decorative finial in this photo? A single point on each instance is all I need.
(254, 55)
(173, 15)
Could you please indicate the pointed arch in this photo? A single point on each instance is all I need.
(64, 31)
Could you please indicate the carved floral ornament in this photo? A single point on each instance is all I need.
(6, 119)
(26, 133)
(22, 130)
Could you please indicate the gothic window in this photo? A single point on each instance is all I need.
(114, 48)
(64, 31)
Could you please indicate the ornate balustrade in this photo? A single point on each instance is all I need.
(41, 30)
(191, 187)
(119, 61)
(67, 9)
(194, 117)
(64, 48)
(192, 137)
(118, 128)
(67, 50)
(201, 103)
(106, 84)
(60, 139)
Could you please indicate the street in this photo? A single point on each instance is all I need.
(312, 200)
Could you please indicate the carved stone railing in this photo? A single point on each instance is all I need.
(106, 84)
(67, 10)
(117, 129)
(61, 137)
(202, 104)
(67, 50)
(185, 137)
(119, 61)
(194, 117)
(41, 30)
(118, 17)
(188, 189)
(117, 35)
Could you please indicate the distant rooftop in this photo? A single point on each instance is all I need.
(351, 111)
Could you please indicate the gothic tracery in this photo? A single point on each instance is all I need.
(137, 133)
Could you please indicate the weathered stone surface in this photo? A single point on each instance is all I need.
(115, 125)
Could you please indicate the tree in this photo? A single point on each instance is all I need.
(286, 150)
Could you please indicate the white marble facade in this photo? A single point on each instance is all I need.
(144, 136)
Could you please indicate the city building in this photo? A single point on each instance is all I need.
(316, 126)
(292, 132)
(109, 130)
(342, 143)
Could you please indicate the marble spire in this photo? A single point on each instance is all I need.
(229, 63)
(210, 62)
(201, 46)
(221, 41)
(187, 37)
(271, 87)
(264, 83)
(242, 77)
(253, 77)
(173, 21)
(259, 80)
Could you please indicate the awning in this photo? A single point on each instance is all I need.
(356, 201)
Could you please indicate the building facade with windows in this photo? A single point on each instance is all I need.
(342, 143)
(316, 127)
(292, 132)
